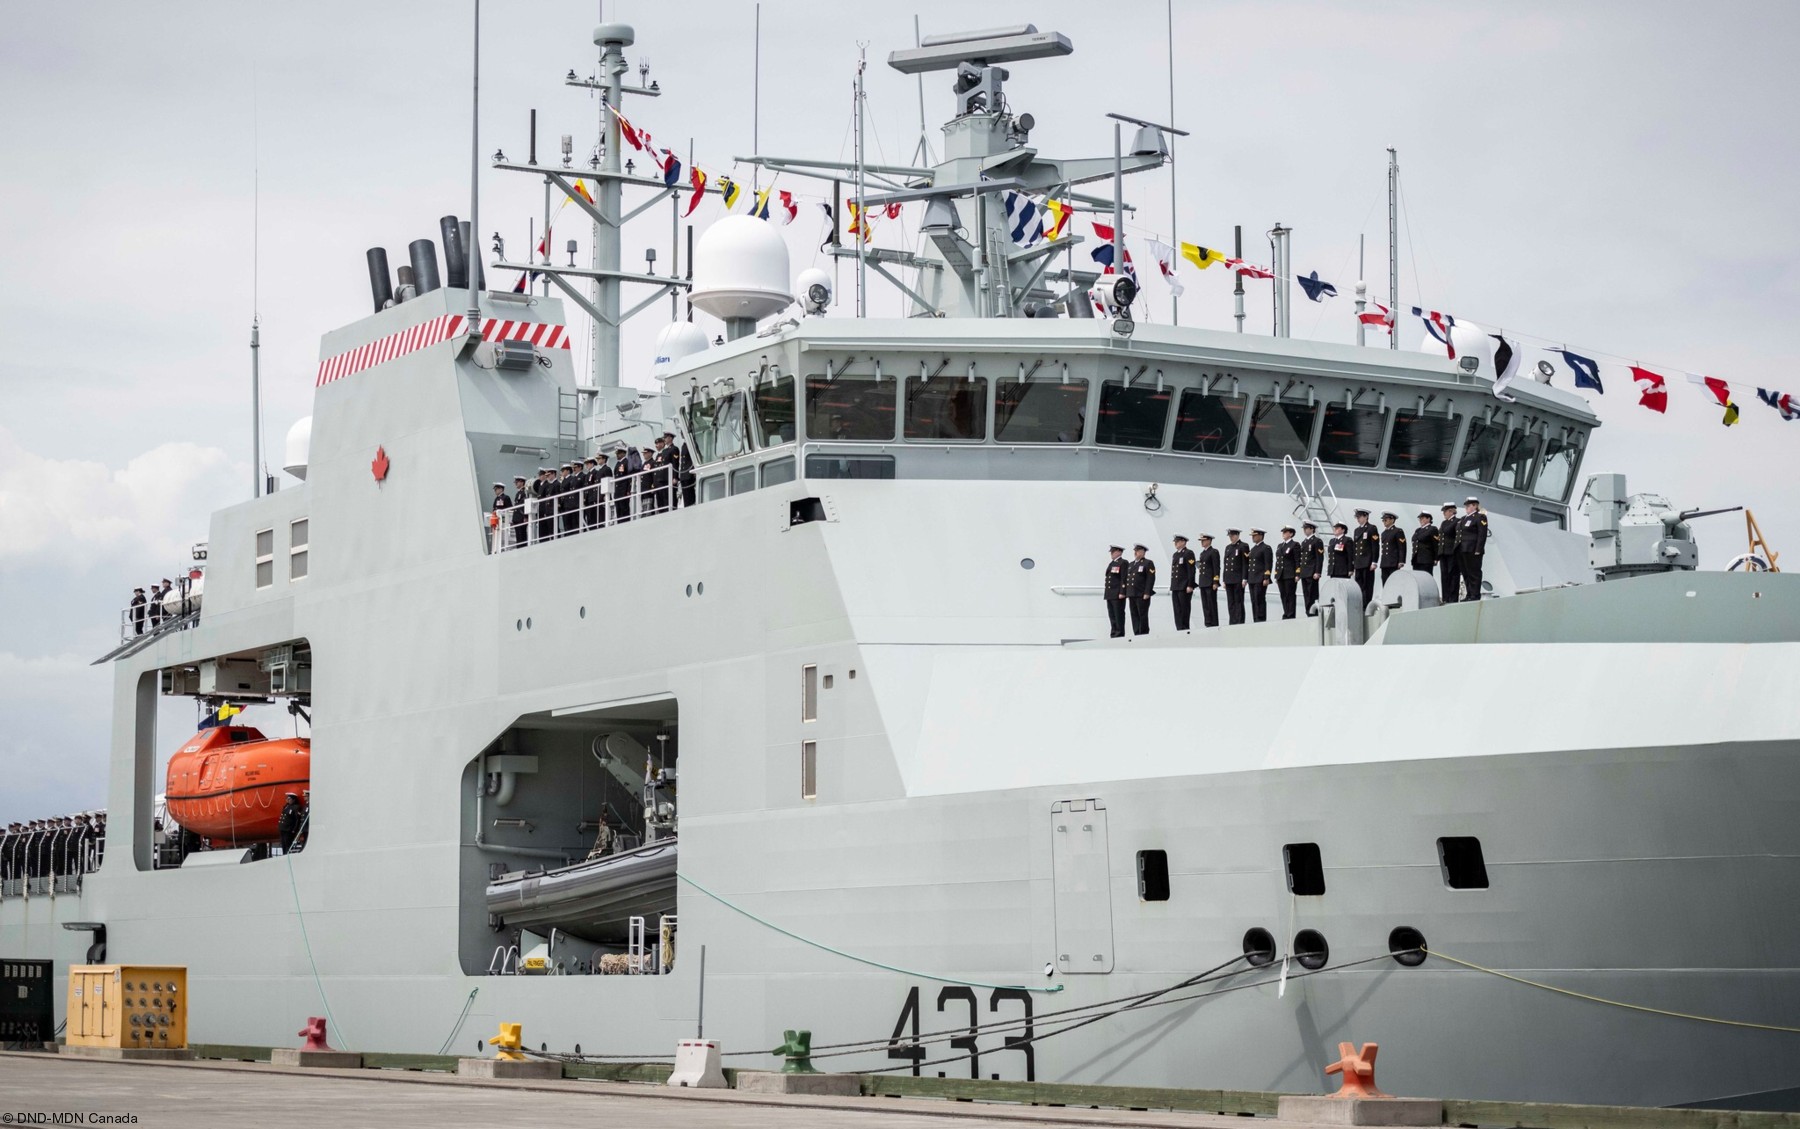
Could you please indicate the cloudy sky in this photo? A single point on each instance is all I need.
(1615, 177)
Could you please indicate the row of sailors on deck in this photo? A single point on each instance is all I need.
(591, 493)
(45, 848)
(1453, 547)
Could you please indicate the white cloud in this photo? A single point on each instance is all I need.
(75, 509)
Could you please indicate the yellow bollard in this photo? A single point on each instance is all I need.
(508, 1043)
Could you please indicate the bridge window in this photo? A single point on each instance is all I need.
(1352, 436)
(1280, 430)
(851, 407)
(1560, 462)
(849, 466)
(1039, 411)
(777, 471)
(1422, 442)
(1209, 425)
(946, 407)
(1480, 451)
(265, 558)
(719, 428)
(743, 479)
(1132, 416)
(1519, 461)
(297, 566)
(775, 419)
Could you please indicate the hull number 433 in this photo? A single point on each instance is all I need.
(951, 1000)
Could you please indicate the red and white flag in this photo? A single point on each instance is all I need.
(1653, 389)
(1249, 270)
(1165, 260)
(1720, 392)
(1380, 315)
(789, 209)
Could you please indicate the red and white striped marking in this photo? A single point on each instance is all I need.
(433, 332)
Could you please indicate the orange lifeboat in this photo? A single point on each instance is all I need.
(230, 783)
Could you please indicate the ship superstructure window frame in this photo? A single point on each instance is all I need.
(719, 428)
(775, 418)
(1283, 418)
(867, 409)
(946, 409)
(809, 770)
(1352, 436)
(809, 693)
(1517, 468)
(1479, 456)
(1421, 454)
(1569, 451)
(1040, 410)
(298, 562)
(1209, 423)
(1134, 415)
(265, 557)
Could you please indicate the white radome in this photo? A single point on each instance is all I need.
(1470, 340)
(741, 269)
(298, 448)
(675, 341)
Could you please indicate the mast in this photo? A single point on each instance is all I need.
(1362, 294)
(1393, 245)
(472, 251)
(862, 215)
(613, 39)
(1118, 239)
(1238, 293)
(1174, 230)
(256, 459)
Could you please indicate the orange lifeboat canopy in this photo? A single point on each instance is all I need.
(229, 784)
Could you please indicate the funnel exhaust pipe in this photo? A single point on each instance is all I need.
(380, 288)
(424, 265)
(456, 264)
(405, 290)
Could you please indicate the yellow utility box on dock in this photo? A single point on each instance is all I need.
(132, 1007)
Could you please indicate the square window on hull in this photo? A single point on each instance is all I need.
(1153, 875)
(1462, 862)
(1305, 868)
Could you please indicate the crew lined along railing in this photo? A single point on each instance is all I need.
(564, 513)
(48, 857)
(171, 612)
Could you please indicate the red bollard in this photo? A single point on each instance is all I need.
(314, 1034)
(1358, 1070)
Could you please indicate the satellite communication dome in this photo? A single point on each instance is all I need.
(1470, 340)
(741, 269)
(298, 448)
(677, 340)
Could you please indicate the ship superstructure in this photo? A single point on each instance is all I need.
(862, 686)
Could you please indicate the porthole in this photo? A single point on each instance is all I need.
(1310, 949)
(700, 588)
(1027, 564)
(690, 590)
(1259, 947)
(518, 625)
(528, 623)
(1407, 945)
(584, 613)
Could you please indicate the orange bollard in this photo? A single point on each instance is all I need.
(1358, 1070)
(314, 1034)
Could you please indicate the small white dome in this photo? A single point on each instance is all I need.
(741, 269)
(299, 448)
(1470, 340)
(677, 340)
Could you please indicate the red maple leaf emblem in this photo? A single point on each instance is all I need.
(380, 466)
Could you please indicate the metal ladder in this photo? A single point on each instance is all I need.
(568, 425)
(1310, 488)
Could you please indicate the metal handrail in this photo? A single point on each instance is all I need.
(48, 860)
(647, 493)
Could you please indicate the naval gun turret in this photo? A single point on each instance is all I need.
(1635, 534)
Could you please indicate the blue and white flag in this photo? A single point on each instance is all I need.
(1103, 254)
(1781, 402)
(1439, 326)
(1316, 289)
(1024, 219)
(1587, 372)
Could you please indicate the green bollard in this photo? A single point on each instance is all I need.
(796, 1048)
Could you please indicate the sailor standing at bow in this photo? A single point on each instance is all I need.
(1393, 545)
(521, 494)
(1207, 578)
(1181, 583)
(1365, 549)
(1262, 568)
(1471, 543)
(1140, 585)
(1312, 566)
(1424, 544)
(1113, 590)
(498, 521)
(1287, 570)
(1449, 580)
(1234, 569)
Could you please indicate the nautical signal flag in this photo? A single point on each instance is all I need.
(1201, 257)
(533, 276)
(1024, 218)
(789, 210)
(631, 136)
(1587, 372)
(1380, 315)
(1316, 288)
(1165, 261)
(892, 211)
(581, 190)
(697, 178)
(229, 711)
(1781, 402)
(1720, 391)
(729, 191)
(1653, 389)
(1057, 213)
(671, 167)
(1249, 270)
(1103, 254)
(1506, 367)
(760, 208)
(1438, 325)
(856, 221)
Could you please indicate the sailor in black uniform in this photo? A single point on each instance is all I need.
(1365, 550)
(1287, 570)
(1312, 566)
(1181, 583)
(1424, 544)
(1338, 552)
(544, 490)
(1140, 585)
(138, 604)
(568, 501)
(1262, 569)
(1206, 578)
(1449, 580)
(1393, 545)
(1113, 590)
(287, 825)
(1234, 569)
(518, 532)
(500, 523)
(622, 483)
(1471, 543)
(667, 460)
